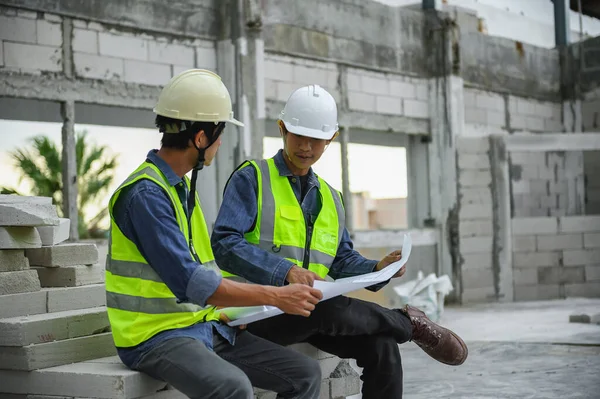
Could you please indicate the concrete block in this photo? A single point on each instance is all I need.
(473, 245)
(518, 122)
(476, 261)
(476, 295)
(49, 33)
(535, 259)
(403, 89)
(520, 187)
(73, 298)
(495, 118)
(17, 30)
(70, 276)
(98, 67)
(146, 73)
(32, 57)
(527, 158)
(171, 53)
(535, 124)
(581, 257)
(270, 89)
(475, 211)
(474, 228)
(69, 254)
(477, 278)
(12, 260)
(352, 82)
(344, 381)
(537, 226)
(476, 195)
(524, 244)
(360, 101)
(122, 46)
(536, 292)
(474, 178)
(52, 235)
(57, 353)
(85, 41)
(564, 241)
(23, 304)
(284, 90)
(279, 69)
(19, 281)
(561, 275)
(206, 58)
(374, 85)
(592, 273)
(26, 14)
(48, 327)
(422, 89)
(27, 213)
(580, 224)
(416, 108)
(525, 276)
(52, 17)
(94, 378)
(473, 161)
(388, 105)
(476, 116)
(579, 318)
(587, 290)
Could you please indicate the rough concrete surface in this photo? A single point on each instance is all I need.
(28, 214)
(12, 260)
(52, 235)
(70, 276)
(44, 355)
(19, 237)
(63, 255)
(19, 281)
(23, 304)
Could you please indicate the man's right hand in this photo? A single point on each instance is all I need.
(298, 275)
(298, 299)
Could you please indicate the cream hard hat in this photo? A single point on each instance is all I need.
(196, 95)
(311, 111)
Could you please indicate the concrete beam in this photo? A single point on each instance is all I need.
(70, 254)
(23, 304)
(70, 186)
(60, 88)
(52, 235)
(70, 276)
(19, 238)
(344, 141)
(35, 329)
(525, 142)
(19, 281)
(27, 213)
(57, 353)
(419, 207)
(12, 260)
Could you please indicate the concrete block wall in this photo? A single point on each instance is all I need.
(533, 115)
(100, 52)
(30, 42)
(385, 93)
(590, 111)
(556, 257)
(475, 223)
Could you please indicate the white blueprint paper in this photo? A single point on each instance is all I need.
(246, 315)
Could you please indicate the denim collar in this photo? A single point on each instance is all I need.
(285, 171)
(164, 167)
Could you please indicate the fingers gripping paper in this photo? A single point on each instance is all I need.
(249, 314)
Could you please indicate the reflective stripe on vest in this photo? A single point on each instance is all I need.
(139, 303)
(281, 228)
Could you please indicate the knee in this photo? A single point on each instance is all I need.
(236, 386)
(308, 379)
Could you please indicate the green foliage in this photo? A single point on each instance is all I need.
(40, 165)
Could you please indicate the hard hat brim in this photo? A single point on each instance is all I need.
(235, 122)
(307, 132)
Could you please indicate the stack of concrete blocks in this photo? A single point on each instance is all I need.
(556, 257)
(41, 326)
(475, 219)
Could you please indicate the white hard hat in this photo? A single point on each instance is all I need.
(196, 95)
(311, 111)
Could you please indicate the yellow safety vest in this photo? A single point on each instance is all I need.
(280, 225)
(139, 303)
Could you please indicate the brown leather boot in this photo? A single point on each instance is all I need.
(438, 342)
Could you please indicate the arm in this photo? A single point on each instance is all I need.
(237, 216)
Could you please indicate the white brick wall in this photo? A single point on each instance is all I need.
(29, 44)
(99, 53)
(533, 115)
(484, 108)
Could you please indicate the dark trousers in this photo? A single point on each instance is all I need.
(230, 372)
(349, 328)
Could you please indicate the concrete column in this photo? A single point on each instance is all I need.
(419, 210)
(69, 168)
(562, 31)
(344, 141)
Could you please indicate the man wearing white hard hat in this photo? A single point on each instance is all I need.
(163, 287)
(281, 224)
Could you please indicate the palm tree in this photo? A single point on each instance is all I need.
(41, 166)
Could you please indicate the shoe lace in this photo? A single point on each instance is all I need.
(423, 334)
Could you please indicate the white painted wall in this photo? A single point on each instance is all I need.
(528, 21)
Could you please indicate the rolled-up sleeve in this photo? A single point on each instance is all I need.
(146, 216)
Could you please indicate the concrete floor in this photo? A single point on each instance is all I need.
(517, 350)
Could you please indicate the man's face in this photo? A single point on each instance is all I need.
(303, 151)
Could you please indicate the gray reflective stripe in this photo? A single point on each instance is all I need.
(321, 258)
(143, 271)
(149, 305)
(139, 270)
(340, 211)
(267, 220)
(285, 251)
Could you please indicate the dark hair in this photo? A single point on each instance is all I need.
(181, 140)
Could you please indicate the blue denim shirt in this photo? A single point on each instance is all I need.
(145, 215)
(237, 216)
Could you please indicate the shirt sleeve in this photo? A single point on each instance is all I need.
(146, 216)
(236, 217)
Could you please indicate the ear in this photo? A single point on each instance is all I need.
(333, 138)
(282, 129)
(200, 139)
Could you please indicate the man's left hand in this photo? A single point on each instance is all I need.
(389, 259)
